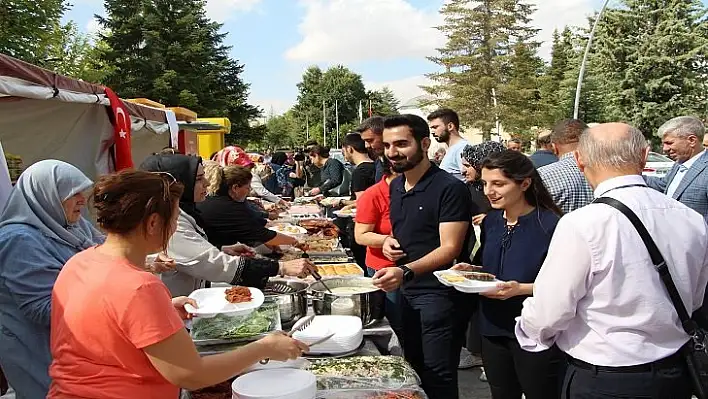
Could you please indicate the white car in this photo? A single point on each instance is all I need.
(657, 165)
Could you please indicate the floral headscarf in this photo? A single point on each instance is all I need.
(475, 154)
(231, 156)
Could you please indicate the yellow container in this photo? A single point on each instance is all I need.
(184, 114)
(145, 101)
(211, 141)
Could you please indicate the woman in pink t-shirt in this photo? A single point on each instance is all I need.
(116, 332)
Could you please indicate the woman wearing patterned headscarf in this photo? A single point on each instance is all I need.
(236, 156)
(472, 157)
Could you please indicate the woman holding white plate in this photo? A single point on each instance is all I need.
(115, 330)
(514, 242)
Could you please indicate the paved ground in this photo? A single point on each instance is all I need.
(471, 387)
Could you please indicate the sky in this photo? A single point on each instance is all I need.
(385, 41)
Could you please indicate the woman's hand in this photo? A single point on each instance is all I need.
(278, 346)
(179, 303)
(161, 264)
(238, 250)
(506, 290)
(298, 268)
(392, 249)
(477, 219)
(315, 191)
(466, 267)
(283, 203)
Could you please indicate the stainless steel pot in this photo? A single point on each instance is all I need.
(291, 297)
(369, 307)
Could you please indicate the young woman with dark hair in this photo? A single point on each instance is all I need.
(515, 237)
(115, 330)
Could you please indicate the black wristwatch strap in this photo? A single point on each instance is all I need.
(408, 274)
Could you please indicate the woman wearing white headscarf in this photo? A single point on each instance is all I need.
(40, 229)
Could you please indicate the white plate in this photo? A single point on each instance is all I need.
(345, 214)
(467, 286)
(212, 301)
(280, 228)
(275, 384)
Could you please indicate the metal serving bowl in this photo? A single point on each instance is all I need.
(369, 306)
(291, 297)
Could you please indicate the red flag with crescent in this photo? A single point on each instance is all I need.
(121, 131)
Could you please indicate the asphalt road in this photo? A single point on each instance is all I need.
(470, 385)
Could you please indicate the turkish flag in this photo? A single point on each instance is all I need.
(121, 131)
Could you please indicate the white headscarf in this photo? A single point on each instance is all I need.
(36, 200)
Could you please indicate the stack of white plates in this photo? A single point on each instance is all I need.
(275, 384)
(348, 334)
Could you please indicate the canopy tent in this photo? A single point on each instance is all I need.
(44, 115)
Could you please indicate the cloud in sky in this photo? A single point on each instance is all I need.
(344, 31)
(556, 14)
(222, 10)
(404, 89)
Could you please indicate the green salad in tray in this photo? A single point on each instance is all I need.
(231, 328)
(364, 372)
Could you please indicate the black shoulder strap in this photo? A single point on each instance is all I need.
(659, 263)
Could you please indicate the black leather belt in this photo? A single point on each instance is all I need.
(666, 362)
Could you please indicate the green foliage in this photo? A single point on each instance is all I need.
(172, 53)
(479, 57)
(383, 102)
(28, 28)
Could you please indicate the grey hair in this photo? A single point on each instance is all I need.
(619, 154)
(683, 126)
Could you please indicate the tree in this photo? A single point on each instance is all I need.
(651, 57)
(283, 131)
(319, 90)
(28, 27)
(184, 65)
(480, 38)
(72, 53)
(520, 96)
(383, 102)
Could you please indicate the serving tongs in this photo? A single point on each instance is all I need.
(301, 325)
(314, 271)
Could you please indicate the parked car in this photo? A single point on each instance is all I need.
(657, 165)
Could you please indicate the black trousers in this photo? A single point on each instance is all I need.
(434, 325)
(512, 371)
(666, 381)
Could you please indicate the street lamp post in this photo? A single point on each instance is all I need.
(585, 60)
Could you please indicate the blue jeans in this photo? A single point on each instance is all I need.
(392, 308)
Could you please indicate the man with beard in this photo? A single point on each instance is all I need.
(371, 131)
(430, 216)
(445, 125)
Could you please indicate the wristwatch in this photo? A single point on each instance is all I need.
(408, 274)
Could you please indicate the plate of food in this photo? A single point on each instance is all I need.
(339, 270)
(229, 301)
(288, 229)
(467, 282)
(345, 213)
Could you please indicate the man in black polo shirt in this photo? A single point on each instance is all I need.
(430, 215)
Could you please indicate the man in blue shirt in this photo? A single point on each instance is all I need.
(445, 126)
(544, 154)
(430, 216)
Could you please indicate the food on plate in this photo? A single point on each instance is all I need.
(319, 244)
(339, 269)
(287, 228)
(397, 395)
(238, 294)
(364, 372)
(479, 276)
(323, 226)
(304, 209)
(453, 278)
(262, 320)
(218, 391)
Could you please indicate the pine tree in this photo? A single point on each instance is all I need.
(383, 102)
(480, 39)
(651, 58)
(520, 96)
(170, 52)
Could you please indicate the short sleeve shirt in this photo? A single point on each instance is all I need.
(105, 311)
(363, 177)
(373, 207)
(452, 161)
(416, 216)
(227, 222)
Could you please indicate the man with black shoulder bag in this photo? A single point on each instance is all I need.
(620, 281)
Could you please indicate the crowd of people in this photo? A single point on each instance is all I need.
(97, 310)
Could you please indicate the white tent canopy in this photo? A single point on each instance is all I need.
(48, 116)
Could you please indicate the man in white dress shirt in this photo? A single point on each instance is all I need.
(598, 296)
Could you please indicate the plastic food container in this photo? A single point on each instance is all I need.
(275, 384)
